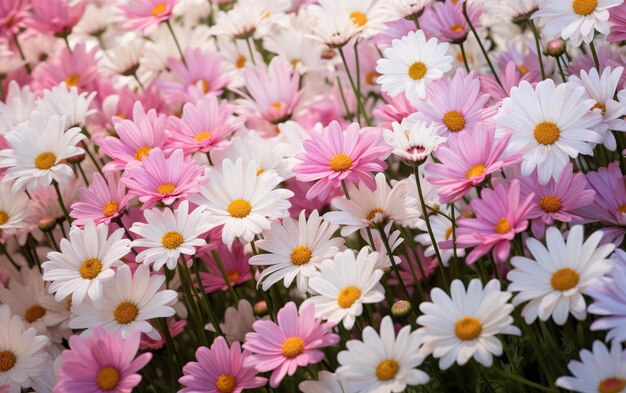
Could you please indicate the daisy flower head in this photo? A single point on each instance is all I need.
(412, 141)
(368, 17)
(466, 323)
(577, 20)
(129, 301)
(77, 68)
(618, 23)
(103, 361)
(65, 101)
(19, 103)
(295, 250)
(167, 234)
(234, 261)
(38, 150)
(334, 155)
(103, 201)
(333, 29)
(55, 17)
(146, 15)
(556, 280)
(550, 124)
(409, 9)
(383, 362)
(85, 262)
(293, 341)
(411, 64)
(220, 369)
(14, 209)
(344, 284)
(601, 370)
(609, 300)
(445, 20)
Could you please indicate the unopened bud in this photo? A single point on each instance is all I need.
(401, 309)
(47, 224)
(260, 308)
(556, 47)
(77, 159)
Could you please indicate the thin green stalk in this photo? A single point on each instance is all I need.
(60, 199)
(457, 274)
(558, 63)
(220, 266)
(250, 51)
(359, 99)
(467, 68)
(533, 28)
(92, 157)
(482, 48)
(345, 189)
(82, 173)
(358, 74)
(9, 257)
(595, 55)
(21, 52)
(343, 97)
(523, 381)
(170, 346)
(211, 313)
(385, 240)
(180, 51)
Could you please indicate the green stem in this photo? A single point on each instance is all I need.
(533, 28)
(558, 63)
(211, 313)
(250, 51)
(521, 380)
(358, 74)
(359, 99)
(60, 199)
(345, 189)
(595, 55)
(482, 48)
(385, 240)
(180, 51)
(220, 266)
(464, 57)
(21, 52)
(171, 347)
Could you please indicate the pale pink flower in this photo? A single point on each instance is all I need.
(618, 23)
(146, 15)
(102, 201)
(77, 69)
(510, 77)
(445, 20)
(12, 14)
(55, 17)
(235, 263)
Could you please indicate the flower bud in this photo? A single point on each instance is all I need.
(401, 309)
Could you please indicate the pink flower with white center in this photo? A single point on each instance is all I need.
(163, 179)
(558, 200)
(454, 105)
(102, 201)
(220, 369)
(445, 20)
(77, 69)
(510, 77)
(136, 138)
(235, 262)
(466, 161)
(146, 15)
(295, 341)
(273, 97)
(55, 17)
(335, 155)
(499, 215)
(204, 126)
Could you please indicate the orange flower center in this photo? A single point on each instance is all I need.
(370, 78)
(523, 69)
(7, 360)
(475, 171)
(292, 347)
(546, 133)
(503, 226)
(125, 313)
(166, 188)
(584, 7)
(45, 161)
(622, 208)
(202, 136)
(564, 279)
(457, 28)
(159, 9)
(348, 296)
(454, 121)
(300, 255)
(142, 152)
(358, 18)
(417, 70)
(550, 203)
(372, 214)
(4, 217)
(612, 385)
(387, 370)
(90, 268)
(226, 383)
(600, 106)
(72, 80)
(172, 240)
(468, 328)
(233, 276)
(240, 62)
(204, 84)
(110, 208)
(239, 208)
(33, 313)
(108, 378)
(341, 162)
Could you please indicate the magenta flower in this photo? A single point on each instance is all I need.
(235, 262)
(77, 69)
(445, 20)
(556, 201)
(12, 13)
(467, 160)
(220, 369)
(617, 17)
(102, 201)
(136, 138)
(102, 361)
(455, 105)
(162, 179)
(146, 15)
(55, 17)
(500, 214)
(294, 342)
(334, 155)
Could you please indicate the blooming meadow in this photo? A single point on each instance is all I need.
(326, 196)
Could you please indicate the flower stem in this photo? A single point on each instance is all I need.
(558, 63)
(518, 379)
(21, 52)
(385, 240)
(359, 99)
(171, 347)
(464, 57)
(345, 189)
(595, 55)
(482, 48)
(220, 266)
(60, 199)
(250, 51)
(533, 28)
(211, 313)
(180, 51)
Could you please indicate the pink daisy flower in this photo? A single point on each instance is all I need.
(235, 262)
(77, 69)
(220, 369)
(146, 15)
(510, 77)
(556, 201)
(499, 215)
(294, 342)
(175, 328)
(398, 108)
(445, 20)
(55, 17)
(335, 155)
(466, 161)
(102, 201)
(203, 127)
(607, 57)
(526, 62)
(12, 13)
(454, 105)
(618, 23)
(161, 179)
(102, 361)
(136, 138)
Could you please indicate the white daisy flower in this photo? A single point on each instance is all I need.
(393, 236)
(510, 10)
(411, 63)
(295, 250)
(39, 147)
(235, 59)
(242, 201)
(129, 302)
(124, 57)
(442, 231)
(327, 382)
(344, 285)
(67, 103)
(333, 29)
(413, 142)
(609, 300)
(575, 20)
(399, 9)
(367, 208)
(295, 47)
(166, 235)
(22, 354)
(382, 363)
(550, 124)
(246, 19)
(555, 281)
(19, 104)
(465, 324)
(85, 262)
(367, 16)
(14, 209)
(601, 370)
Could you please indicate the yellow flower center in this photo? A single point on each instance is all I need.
(622, 208)
(260, 171)
(205, 85)
(45, 160)
(294, 63)
(233, 276)
(4, 217)
(34, 313)
(226, 383)
(448, 233)
(584, 7)
(301, 255)
(7, 360)
(370, 77)
(110, 208)
(503, 225)
(348, 296)
(564, 279)
(612, 385)
(523, 69)
(239, 208)
(550, 203)
(372, 214)
(125, 313)
(90, 268)
(468, 328)
(454, 120)
(202, 136)
(166, 188)
(277, 105)
(159, 9)
(240, 62)
(292, 347)
(72, 80)
(475, 171)
(546, 133)
(358, 18)
(142, 152)
(108, 378)
(417, 70)
(387, 370)
(341, 162)
(600, 106)
(172, 240)
(457, 28)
